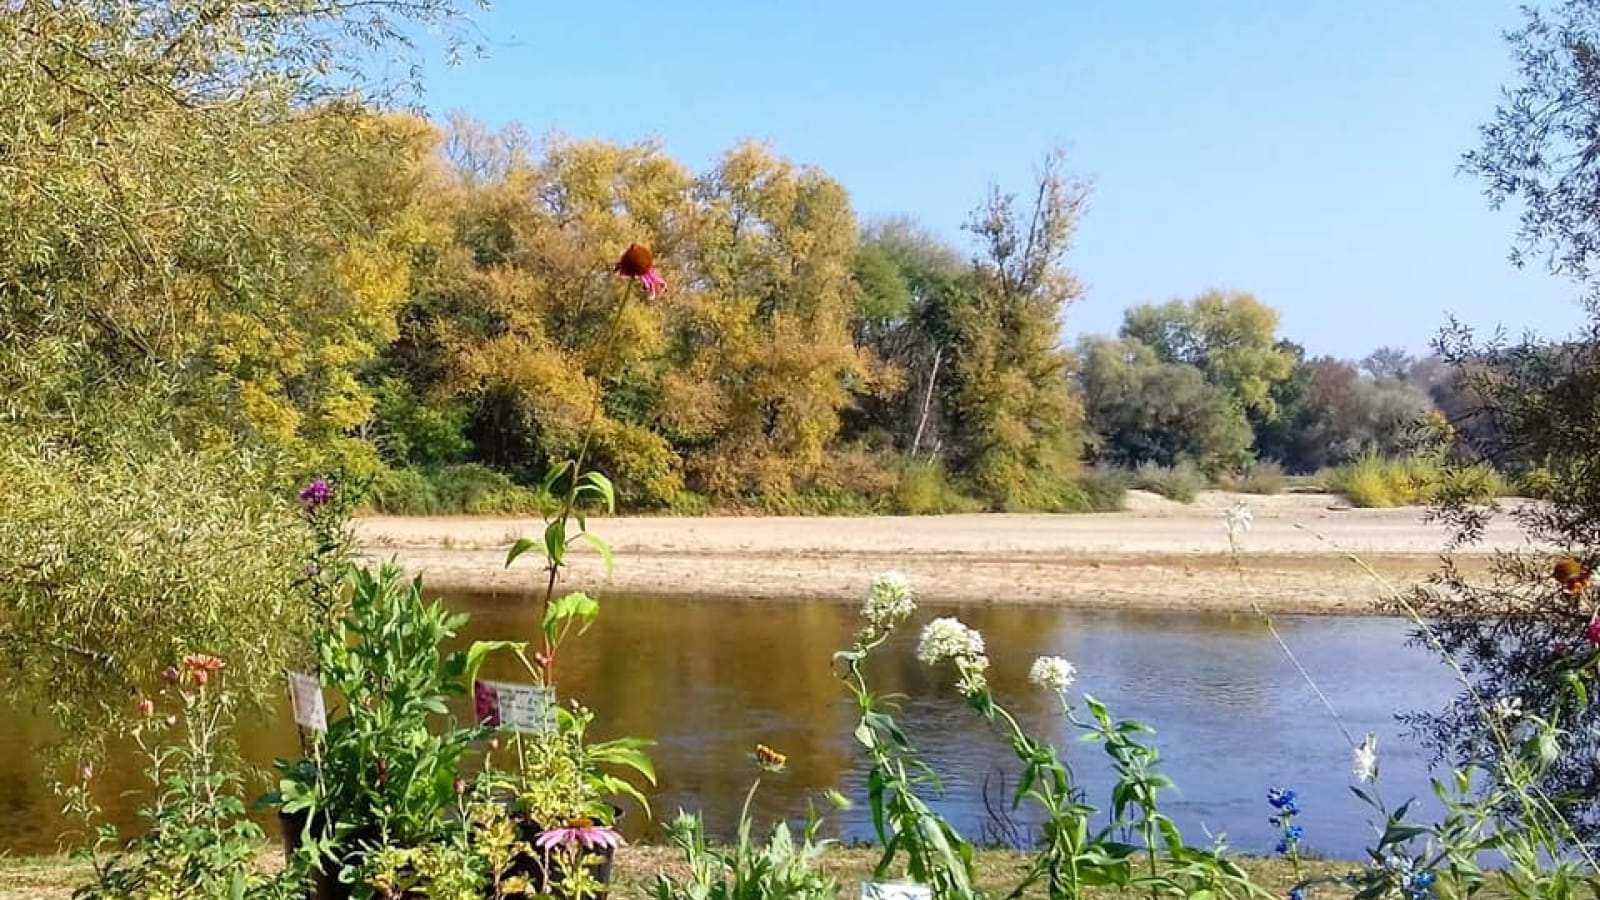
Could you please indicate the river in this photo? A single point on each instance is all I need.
(709, 679)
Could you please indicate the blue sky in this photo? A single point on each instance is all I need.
(1302, 151)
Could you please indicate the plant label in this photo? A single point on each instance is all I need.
(895, 890)
(526, 708)
(305, 695)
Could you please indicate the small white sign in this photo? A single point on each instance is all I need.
(895, 890)
(527, 708)
(305, 694)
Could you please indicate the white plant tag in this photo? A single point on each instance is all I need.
(527, 708)
(895, 890)
(305, 695)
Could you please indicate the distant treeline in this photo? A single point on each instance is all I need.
(431, 308)
(804, 362)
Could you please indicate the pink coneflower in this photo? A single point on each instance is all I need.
(579, 833)
(637, 262)
(1592, 632)
(486, 703)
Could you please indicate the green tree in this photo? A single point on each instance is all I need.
(899, 330)
(1142, 409)
(1519, 632)
(1541, 150)
(1530, 407)
(1231, 337)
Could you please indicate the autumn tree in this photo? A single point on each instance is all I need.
(196, 254)
(732, 384)
(1014, 420)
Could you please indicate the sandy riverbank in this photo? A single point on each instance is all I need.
(1157, 554)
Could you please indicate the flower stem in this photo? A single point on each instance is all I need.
(569, 501)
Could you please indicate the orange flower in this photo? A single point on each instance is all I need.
(1572, 575)
(201, 665)
(639, 263)
(770, 759)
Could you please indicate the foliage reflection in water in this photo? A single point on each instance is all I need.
(710, 679)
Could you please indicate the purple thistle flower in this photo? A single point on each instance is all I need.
(317, 494)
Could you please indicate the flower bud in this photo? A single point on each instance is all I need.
(147, 708)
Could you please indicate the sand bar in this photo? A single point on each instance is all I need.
(1155, 555)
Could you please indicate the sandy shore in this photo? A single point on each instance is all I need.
(1155, 555)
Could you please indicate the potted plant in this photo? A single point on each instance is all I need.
(559, 795)
(387, 770)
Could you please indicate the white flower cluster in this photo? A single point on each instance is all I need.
(949, 639)
(1366, 759)
(890, 601)
(1052, 673)
(1507, 709)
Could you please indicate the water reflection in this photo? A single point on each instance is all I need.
(710, 679)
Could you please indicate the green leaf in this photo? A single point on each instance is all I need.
(601, 547)
(523, 545)
(575, 606)
(480, 650)
(554, 475)
(555, 542)
(599, 484)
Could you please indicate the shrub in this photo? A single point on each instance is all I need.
(1372, 481)
(1182, 482)
(404, 492)
(1264, 476)
(1367, 482)
(1105, 488)
(1536, 483)
(925, 488)
(467, 488)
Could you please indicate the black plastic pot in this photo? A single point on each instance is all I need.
(325, 883)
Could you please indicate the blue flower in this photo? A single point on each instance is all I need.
(1283, 800)
(1419, 885)
(1294, 832)
(1297, 893)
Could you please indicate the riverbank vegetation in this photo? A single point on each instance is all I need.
(54, 878)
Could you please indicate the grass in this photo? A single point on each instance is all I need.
(1375, 481)
(1261, 477)
(453, 490)
(1182, 482)
(53, 878)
